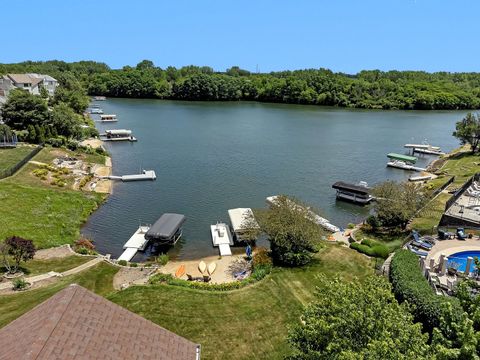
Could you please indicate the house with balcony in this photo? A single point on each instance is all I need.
(30, 82)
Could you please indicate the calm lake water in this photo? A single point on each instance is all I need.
(211, 157)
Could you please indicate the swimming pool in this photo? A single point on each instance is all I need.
(460, 258)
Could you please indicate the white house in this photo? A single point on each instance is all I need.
(30, 82)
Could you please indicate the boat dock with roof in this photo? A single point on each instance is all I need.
(167, 229)
(356, 193)
(242, 220)
(322, 222)
(404, 162)
(118, 135)
(425, 148)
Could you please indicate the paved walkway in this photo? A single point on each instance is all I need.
(52, 274)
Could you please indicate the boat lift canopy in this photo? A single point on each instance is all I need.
(357, 189)
(165, 227)
(410, 159)
(239, 218)
(119, 132)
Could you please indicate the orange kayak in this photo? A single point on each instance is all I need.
(180, 271)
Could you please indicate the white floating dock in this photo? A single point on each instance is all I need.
(136, 243)
(222, 238)
(404, 166)
(324, 223)
(145, 175)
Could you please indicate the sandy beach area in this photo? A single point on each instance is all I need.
(226, 267)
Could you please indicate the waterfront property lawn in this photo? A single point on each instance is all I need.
(430, 215)
(391, 240)
(49, 217)
(9, 157)
(242, 324)
(250, 323)
(98, 279)
(36, 267)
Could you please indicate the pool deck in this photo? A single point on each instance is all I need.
(449, 247)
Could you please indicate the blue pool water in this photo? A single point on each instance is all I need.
(461, 259)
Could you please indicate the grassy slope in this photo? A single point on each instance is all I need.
(50, 216)
(9, 157)
(98, 279)
(35, 267)
(247, 323)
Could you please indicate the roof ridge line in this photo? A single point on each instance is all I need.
(59, 319)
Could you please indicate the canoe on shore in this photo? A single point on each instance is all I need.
(202, 266)
(180, 271)
(211, 267)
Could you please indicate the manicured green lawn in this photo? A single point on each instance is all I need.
(250, 323)
(430, 216)
(98, 279)
(49, 217)
(35, 267)
(9, 157)
(392, 241)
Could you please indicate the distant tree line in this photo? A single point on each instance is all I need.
(373, 89)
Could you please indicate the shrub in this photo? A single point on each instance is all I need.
(162, 259)
(85, 180)
(409, 284)
(85, 243)
(19, 284)
(373, 221)
(82, 251)
(371, 248)
(41, 173)
(351, 226)
(134, 265)
(122, 262)
(261, 257)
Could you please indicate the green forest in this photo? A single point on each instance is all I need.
(372, 89)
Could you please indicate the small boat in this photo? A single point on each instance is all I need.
(108, 118)
(356, 193)
(211, 267)
(99, 98)
(96, 111)
(399, 164)
(202, 266)
(425, 148)
(180, 271)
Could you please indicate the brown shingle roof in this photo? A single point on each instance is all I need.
(24, 79)
(78, 324)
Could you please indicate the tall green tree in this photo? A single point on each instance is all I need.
(398, 202)
(357, 320)
(292, 233)
(66, 122)
(23, 109)
(467, 131)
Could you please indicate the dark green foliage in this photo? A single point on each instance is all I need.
(292, 233)
(353, 320)
(19, 284)
(371, 248)
(122, 262)
(467, 131)
(409, 284)
(368, 89)
(23, 109)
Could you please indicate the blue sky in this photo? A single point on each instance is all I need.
(342, 35)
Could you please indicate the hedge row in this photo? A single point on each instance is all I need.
(409, 284)
(371, 248)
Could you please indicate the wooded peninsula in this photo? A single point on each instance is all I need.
(372, 89)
